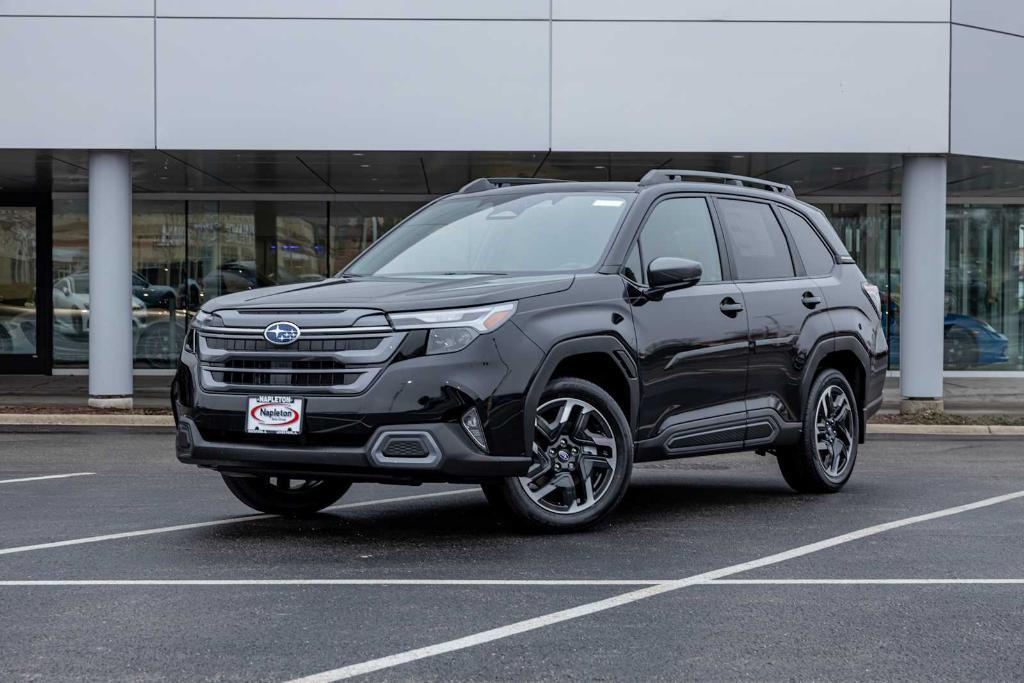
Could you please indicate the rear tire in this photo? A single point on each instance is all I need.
(823, 460)
(285, 496)
(583, 458)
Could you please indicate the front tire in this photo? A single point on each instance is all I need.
(583, 458)
(286, 496)
(823, 460)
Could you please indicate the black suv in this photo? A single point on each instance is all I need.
(538, 337)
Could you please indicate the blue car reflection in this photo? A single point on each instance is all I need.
(968, 342)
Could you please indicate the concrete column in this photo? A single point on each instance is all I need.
(110, 267)
(923, 272)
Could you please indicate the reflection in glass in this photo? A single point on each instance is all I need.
(71, 282)
(17, 280)
(158, 257)
(357, 225)
(984, 325)
(235, 246)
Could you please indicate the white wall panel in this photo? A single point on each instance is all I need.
(987, 103)
(756, 10)
(767, 87)
(999, 15)
(78, 8)
(76, 82)
(308, 84)
(357, 9)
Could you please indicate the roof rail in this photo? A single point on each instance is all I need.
(658, 176)
(481, 184)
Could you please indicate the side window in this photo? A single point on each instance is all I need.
(682, 228)
(818, 259)
(756, 241)
(632, 269)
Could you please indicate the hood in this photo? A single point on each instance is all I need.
(392, 294)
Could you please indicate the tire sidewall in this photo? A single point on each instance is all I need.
(827, 379)
(539, 518)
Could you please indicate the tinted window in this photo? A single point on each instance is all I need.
(816, 256)
(682, 228)
(756, 240)
(632, 269)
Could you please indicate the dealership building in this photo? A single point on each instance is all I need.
(198, 147)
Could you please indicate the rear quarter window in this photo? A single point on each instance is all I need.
(817, 258)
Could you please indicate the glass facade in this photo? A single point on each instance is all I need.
(984, 297)
(185, 252)
(17, 280)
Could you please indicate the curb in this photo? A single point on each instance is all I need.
(167, 421)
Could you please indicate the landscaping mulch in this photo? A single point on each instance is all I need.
(937, 418)
(79, 410)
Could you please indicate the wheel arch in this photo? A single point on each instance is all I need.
(848, 356)
(603, 360)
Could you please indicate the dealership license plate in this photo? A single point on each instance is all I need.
(274, 415)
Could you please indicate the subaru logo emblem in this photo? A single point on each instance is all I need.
(281, 333)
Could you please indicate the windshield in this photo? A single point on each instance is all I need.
(547, 232)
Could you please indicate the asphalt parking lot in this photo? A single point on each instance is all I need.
(139, 568)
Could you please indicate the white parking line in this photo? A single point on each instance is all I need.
(48, 476)
(330, 582)
(862, 582)
(217, 522)
(535, 623)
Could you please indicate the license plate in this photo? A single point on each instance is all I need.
(274, 415)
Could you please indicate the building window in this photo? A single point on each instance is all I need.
(186, 253)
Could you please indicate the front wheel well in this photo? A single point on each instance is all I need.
(601, 369)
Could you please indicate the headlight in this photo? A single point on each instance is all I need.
(203, 319)
(871, 292)
(483, 320)
(450, 339)
(454, 329)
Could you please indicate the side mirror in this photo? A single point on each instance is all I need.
(665, 273)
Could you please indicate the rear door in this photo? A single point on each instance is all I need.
(786, 309)
(692, 342)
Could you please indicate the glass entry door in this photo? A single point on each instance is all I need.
(25, 303)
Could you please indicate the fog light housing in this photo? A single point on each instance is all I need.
(474, 428)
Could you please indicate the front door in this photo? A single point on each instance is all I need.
(25, 302)
(693, 343)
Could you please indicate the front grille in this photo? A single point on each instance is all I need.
(329, 360)
(284, 373)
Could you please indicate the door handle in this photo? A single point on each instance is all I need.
(729, 307)
(810, 300)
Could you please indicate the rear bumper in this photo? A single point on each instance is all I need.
(448, 456)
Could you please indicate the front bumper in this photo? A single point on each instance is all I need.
(449, 459)
(424, 395)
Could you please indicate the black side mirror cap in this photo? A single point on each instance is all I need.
(666, 273)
